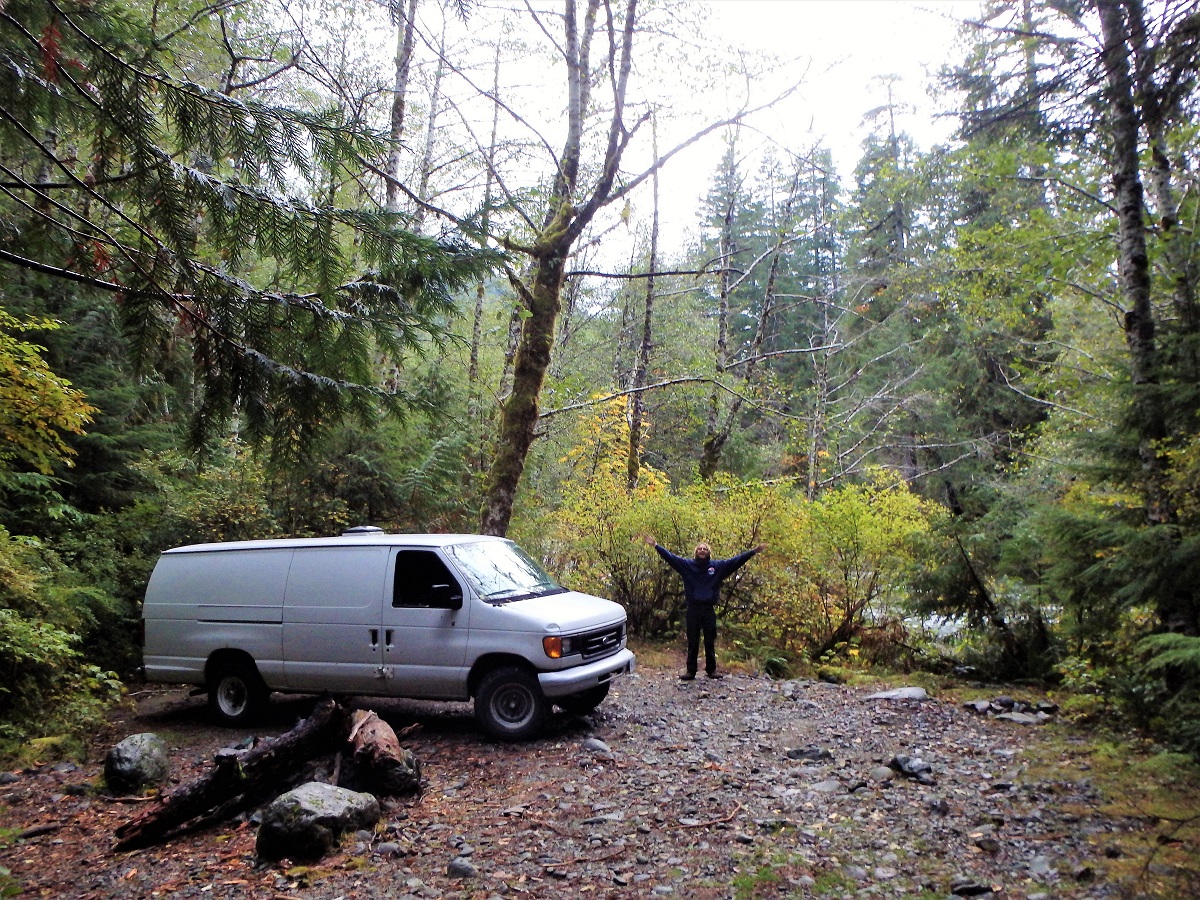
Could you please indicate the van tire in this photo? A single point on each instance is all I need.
(236, 693)
(584, 702)
(510, 705)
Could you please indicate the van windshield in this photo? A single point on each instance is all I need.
(502, 572)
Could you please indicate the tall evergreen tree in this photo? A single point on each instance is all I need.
(186, 206)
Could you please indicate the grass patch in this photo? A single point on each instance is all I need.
(1155, 793)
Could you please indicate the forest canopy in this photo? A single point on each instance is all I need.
(280, 268)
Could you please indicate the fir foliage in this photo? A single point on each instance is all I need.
(198, 211)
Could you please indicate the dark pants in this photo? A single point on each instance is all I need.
(701, 619)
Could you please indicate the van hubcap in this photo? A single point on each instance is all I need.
(513, 704)
(232, 696)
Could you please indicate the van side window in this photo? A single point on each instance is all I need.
(423, 581)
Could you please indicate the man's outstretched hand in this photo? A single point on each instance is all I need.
(649, 540)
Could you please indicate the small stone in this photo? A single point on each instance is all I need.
(901, 693)
(596, 745)
(1023, 718)
(461, 868)
(885, 873)
(938, 806)
(1040, 866)
(967, 887)
(882, 774)
(827, 787)
(812, 754)
(858, 873)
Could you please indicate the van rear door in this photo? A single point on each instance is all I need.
(332, 633)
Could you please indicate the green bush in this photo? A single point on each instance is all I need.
(47, 684)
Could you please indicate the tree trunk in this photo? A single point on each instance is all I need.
(435, 102)
(1179, 264)
(236, 775)
(519, 414)
(637, 404)
(405, 22)
(1133, 261)
(563, 223)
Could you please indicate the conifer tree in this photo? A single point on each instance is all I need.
(191, 207)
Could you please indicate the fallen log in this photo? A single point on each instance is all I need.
(382, 766)
(236, 775)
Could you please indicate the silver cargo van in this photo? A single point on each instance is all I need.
(438, 617)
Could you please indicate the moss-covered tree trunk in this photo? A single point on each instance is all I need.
(566, 217)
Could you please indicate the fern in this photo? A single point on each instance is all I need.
(1172, 652)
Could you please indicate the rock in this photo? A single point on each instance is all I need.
(828, 675)
(1040, 867)
(938, 806)
(307, 822)
(910, 766)
(882, 774)
(901, 693)
(596, 745)
(967, 887)
(461, 867)
(827, 787)
(9, 778)
(812, 754)
(988, 844)
(1023, 718)
(141, 760)
(978, 706)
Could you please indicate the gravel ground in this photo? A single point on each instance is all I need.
(739, 787)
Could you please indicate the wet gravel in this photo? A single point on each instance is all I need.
(738, 787)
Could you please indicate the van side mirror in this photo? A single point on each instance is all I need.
(444, 597)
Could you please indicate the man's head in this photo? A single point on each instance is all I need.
(703, 553)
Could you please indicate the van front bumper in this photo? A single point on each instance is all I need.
(590, 675)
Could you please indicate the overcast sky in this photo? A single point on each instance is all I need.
(841, 47)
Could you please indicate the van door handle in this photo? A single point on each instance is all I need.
(387, 638)
(374, 638)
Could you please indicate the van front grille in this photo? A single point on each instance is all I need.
(603, 642)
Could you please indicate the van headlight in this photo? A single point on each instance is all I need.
(557, 647)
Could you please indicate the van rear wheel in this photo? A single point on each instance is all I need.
(510, 705)
(236, 693)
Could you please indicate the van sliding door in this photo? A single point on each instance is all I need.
(332, 634)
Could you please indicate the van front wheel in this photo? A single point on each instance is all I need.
(584, 702)
(510, 705)
(236, 693)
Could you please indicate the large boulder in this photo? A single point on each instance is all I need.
(307, 822)
(139, 761)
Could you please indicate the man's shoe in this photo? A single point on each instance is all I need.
(714, 675)
(688, 676)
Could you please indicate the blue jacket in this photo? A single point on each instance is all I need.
(702, 583)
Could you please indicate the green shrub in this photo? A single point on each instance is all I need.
(47, 686)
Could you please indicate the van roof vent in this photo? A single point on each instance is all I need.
(363, 529)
